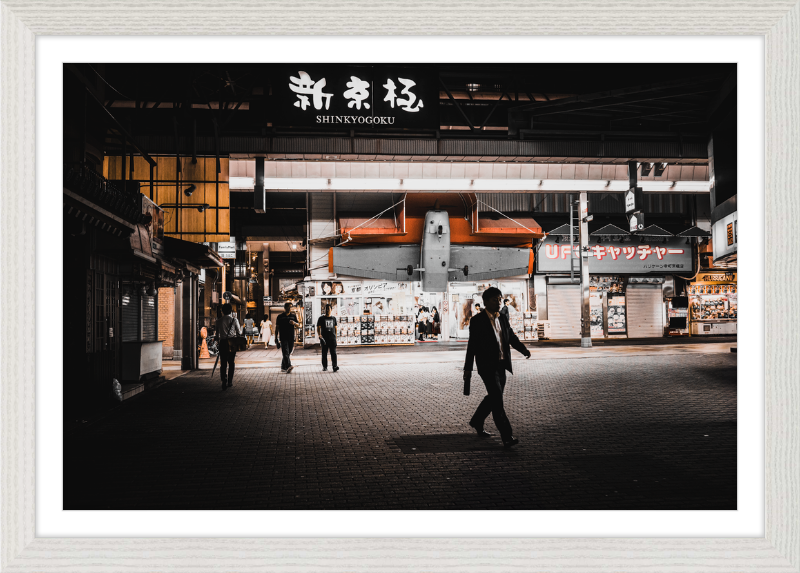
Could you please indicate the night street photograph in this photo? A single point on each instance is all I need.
(308, 286)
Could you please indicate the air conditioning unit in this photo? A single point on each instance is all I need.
(544, 330)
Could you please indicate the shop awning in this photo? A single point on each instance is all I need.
(654, 231)
(195, 254)
(694, 232)
(609, 231)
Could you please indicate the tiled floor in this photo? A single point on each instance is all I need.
(634, 429)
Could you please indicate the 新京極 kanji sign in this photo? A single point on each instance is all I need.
(359, 96)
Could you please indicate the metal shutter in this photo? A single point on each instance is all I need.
(645, 310)
(564, 310)
(149, 326)
(130, 314)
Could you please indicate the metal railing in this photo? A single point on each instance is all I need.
(93, 186)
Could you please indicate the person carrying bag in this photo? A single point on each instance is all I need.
(231, 340)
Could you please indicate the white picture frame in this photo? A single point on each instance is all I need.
(778, 21)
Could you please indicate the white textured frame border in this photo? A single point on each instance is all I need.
(777, 20)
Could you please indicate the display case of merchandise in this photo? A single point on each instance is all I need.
(369, 329)
(713, 308)
(529, 326)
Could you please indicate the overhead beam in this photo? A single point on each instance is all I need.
(594, 104)
(680, 83)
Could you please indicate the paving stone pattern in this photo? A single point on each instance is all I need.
(647, 432)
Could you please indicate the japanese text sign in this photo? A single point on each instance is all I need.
(350, 97)
(615, 257)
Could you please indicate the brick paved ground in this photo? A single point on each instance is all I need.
(643, 432)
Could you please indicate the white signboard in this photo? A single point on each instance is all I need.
(226, 250)
(636, 222)
(630, 201)
(725, 236)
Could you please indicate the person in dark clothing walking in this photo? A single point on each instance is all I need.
(504, 310)
(285, 325)
(227, 327)
(490, 339)
(326, 330)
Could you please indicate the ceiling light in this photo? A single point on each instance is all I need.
(646, 168)
(294, 246)
(473, 87)
(659, 169)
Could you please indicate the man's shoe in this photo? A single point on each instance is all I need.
(335, 368)
(481, 432)
(324, 368)
(224, 386)
(284, 370)
(509, 443)
(288, 370)
(230, 384)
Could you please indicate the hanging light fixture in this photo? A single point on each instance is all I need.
(151, 291)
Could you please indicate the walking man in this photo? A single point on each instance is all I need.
(490, 338)
(326, 330)
(227, 327)
(284, 326)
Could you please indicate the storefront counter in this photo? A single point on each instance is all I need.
(712, 327)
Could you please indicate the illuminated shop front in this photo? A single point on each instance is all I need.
(631, 278)
(713, 303)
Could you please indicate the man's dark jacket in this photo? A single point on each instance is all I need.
(483, 349)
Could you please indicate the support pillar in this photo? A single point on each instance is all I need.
(189, 304)
(586, 310)
(178, 324)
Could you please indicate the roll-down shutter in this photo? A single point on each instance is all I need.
(564, 311)
(645, 311)
(130, 314)
(149, 318)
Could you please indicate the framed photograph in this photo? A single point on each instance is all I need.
(34, 221)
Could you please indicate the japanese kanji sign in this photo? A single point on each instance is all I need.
(353, 97)
(615, 257)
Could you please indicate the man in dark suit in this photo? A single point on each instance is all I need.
(490, 341)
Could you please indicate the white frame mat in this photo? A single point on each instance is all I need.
(778, 21)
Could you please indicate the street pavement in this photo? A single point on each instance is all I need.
(633, 427)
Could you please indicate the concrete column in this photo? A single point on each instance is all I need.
(189, 323)
(586, 311)
(178, 329)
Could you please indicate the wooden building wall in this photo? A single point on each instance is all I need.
(213, 224)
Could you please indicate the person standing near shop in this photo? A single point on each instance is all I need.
(326, 331)
(504, 310)
(436, 323)
(266, 331)
(285, 325)
(249, 329)
(490, 339)
(227, 327)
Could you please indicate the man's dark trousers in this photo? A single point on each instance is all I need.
(226, 361)
(329, 344)
(493, 402)
(287, 345)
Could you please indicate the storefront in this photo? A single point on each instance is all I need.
(713, 303)
(464, 298)
(385, 312)
(628, 293)
(367, 312)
